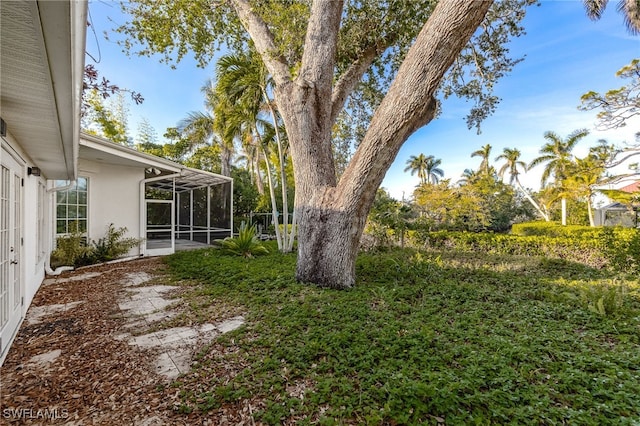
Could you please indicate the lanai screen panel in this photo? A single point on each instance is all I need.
(220, 210)
(203, 205)
(200, 215)
(184, 215)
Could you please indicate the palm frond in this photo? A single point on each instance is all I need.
(595, 8)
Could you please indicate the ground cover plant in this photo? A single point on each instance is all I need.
(425, 337)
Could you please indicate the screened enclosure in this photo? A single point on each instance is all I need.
(186, 210)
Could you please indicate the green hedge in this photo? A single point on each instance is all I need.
(555, 229)
(618, 248)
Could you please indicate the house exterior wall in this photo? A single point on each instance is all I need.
(114, 197)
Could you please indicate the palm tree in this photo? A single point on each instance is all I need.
(417, 164)
(629, 8)
(484, 153)
(467, 176)
(245, 81)
(511, 165)
(214, 126)
(585, 174)
(557, 155)
(434, 172)
(426, 167)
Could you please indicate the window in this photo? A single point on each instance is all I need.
(71, 207)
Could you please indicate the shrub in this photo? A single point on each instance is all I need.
(114, 245)
(246, 244)
(70, 247)
(618, 248)
(584, 250)
(73, 250)
(621, 246)
(554, 229)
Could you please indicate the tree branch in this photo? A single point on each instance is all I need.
(618, 161)
(321, 44)
(410, 103)
(264, 41)
(350, 78)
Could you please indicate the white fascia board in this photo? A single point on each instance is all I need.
(127, 153)
(79, 12)
(206, 173)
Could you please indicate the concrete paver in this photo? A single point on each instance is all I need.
(175, 346)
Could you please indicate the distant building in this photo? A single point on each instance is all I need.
(619, 214)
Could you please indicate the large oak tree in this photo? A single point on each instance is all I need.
(394, 57)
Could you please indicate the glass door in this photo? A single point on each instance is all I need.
(160, 221)
(11, 288)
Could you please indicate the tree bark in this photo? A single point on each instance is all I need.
(332, 215)
(226, 156)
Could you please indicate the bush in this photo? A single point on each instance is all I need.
(246, 244)
(114, 245)
(621, 247)
(586, 251)
(618, 248)
(70, 248)
(554, 229)
(73, 250)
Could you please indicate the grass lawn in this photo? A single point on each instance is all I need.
(424, 338)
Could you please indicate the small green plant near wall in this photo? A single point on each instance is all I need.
(246, 244)
(72, 249)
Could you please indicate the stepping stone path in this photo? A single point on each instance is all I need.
(145, 306)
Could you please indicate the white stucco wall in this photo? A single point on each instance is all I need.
(114, 197)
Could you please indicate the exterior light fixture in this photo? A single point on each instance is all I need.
(33, 171)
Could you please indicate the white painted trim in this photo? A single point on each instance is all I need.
(124, 152)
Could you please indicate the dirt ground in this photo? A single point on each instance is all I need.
(70, 363)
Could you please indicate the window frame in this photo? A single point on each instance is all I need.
(72, 192)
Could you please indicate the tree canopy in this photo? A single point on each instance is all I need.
(373, 39)
(616, 106)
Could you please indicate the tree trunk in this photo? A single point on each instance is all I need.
(226, 156)
(327, 252)
(332, 215)
(274, 205)
(532, 201)
(258, 177)
(592, 222)
(563, 204)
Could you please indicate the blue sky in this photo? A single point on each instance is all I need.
(566, 55)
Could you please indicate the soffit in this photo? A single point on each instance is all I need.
(36, 52)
